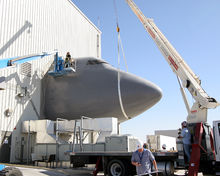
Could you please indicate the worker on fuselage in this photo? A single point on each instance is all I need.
(67, 60)
(142, 159)
(185, 135)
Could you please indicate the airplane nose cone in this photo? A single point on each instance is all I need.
(138, 94)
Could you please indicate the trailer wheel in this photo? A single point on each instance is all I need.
(116, 168)
(12, 171)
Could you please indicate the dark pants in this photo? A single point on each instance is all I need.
(186, 148)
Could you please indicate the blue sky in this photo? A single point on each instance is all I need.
(192, 27)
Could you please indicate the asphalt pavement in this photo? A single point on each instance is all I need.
(30, 171)
(42, 171)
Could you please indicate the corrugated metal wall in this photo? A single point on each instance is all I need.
(26, 79)
(30, 26)
(34, 26)
(18, 82)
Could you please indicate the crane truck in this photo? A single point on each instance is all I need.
(205, 147)
(205, 155)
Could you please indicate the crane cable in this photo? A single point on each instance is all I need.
(119, 78)
(119, 37)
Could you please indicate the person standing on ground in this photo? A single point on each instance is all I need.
(143, 159)
(186, 138)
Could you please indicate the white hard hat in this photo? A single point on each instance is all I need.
(164, 146)
(139, 144)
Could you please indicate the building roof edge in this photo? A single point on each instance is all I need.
(71, 2)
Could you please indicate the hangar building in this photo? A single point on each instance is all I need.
(27, 27)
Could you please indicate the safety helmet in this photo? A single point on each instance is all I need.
(139, 144)
(184, 123)
(164, 146)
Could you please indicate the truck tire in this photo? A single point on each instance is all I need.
(116, 168)
(12, 171)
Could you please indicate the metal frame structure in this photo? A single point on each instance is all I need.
(80, 131)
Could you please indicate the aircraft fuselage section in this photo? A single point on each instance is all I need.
(93, 91)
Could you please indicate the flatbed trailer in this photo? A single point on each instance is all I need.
(119, 163)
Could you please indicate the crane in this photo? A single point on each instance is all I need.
(203, 144)
(186, 77)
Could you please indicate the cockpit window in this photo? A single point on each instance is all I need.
(95, 62)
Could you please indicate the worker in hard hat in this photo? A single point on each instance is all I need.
(164, 147)
(142, 159)
(185, 135)
(67, 60)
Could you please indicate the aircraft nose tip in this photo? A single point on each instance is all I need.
(154, 92)
(138, 95)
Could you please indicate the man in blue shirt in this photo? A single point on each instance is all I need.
(142, 159)
(186, 138)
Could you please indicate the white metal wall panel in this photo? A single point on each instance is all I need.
(9, 98)
(30, 26)
(34, 26)
(23, 108)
